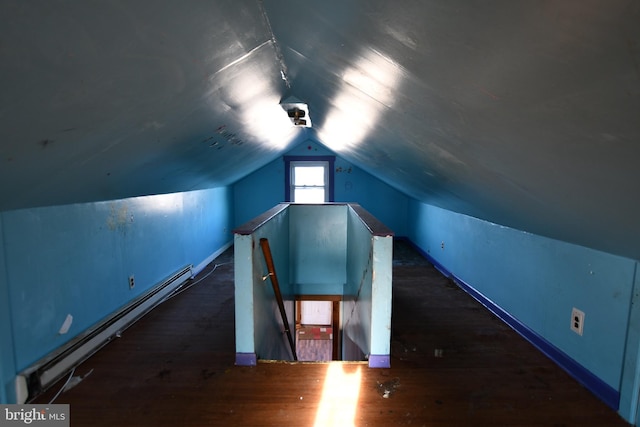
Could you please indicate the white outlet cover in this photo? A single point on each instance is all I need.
(577, 321)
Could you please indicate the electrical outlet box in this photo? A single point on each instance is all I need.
(577, 321)
(132, 282)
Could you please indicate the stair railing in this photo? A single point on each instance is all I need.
(264, 243)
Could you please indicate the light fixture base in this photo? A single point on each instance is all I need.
(297, 111)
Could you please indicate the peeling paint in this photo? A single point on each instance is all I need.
(119, 217)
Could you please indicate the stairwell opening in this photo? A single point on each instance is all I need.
(317, 326)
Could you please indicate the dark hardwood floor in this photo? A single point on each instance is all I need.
(453, 364)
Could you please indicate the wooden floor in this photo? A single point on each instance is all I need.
(453, 364)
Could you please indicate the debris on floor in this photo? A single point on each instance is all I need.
(387, 388)
(75, 380)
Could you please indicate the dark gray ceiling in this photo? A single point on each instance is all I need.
(525, 113)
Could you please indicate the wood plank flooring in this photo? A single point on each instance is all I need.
(453, 364)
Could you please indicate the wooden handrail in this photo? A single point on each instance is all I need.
(264, 243)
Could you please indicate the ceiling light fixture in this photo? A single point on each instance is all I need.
(297, 116)
(297, 111)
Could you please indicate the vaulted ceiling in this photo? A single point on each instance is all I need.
(526, 114)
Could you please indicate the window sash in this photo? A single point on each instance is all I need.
(306, 188)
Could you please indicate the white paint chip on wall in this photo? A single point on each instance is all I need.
(66, 325)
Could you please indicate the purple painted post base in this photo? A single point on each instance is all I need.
(246, 359)
(379, 361)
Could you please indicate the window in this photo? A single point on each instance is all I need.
(308, 182)
(309, 179)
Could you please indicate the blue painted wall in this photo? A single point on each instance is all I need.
(629, 391)
(265, 188)
(357, 293)
(7, 362)
(537, 281)
(76, 259)
(318, 242)
(270, 342)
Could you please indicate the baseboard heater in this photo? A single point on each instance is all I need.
(43, 374)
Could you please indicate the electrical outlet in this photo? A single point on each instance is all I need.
(577, 321)
(132, 282)
(442, 244)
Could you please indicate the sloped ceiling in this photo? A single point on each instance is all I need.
(526, 114)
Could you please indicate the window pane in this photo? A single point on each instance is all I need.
(308, 195)
(316, 312)
(308, 175)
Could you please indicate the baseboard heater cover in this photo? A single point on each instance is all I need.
(47, 371)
